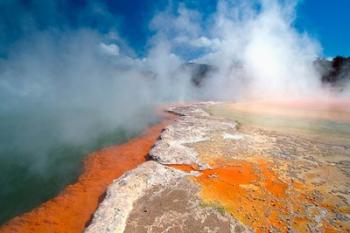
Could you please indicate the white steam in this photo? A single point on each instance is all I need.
(253, 45)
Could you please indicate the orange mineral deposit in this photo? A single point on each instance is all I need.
(254, 194)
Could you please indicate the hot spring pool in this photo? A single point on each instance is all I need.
(39, 156)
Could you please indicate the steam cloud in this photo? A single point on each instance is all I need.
(91, 81)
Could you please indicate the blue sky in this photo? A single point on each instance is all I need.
(326, 21)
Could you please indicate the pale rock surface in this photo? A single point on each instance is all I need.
(113, 212)
(194, 125)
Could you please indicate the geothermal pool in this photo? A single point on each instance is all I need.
(36, 163)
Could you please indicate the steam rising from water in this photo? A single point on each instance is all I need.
(62, 85)
(257, 50)
(92, 81)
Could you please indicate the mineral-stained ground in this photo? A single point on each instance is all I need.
(217, 170)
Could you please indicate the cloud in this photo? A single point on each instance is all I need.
(110, 49)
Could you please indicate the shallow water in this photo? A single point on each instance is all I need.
(322, 122)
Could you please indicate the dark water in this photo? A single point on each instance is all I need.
(39, 156)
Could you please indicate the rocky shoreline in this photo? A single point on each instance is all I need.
(208, 174)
